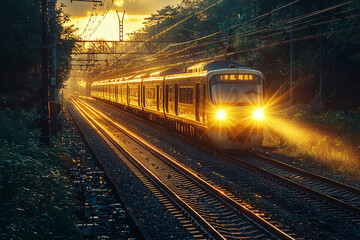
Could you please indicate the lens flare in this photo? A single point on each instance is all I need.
(259, 114)
(304, 140)
(221, 115)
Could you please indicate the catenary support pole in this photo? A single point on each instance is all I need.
(53, 57)
(291, 58)
(321, 67)
(45, 128)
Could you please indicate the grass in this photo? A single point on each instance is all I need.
(326, 137)
(36, 199)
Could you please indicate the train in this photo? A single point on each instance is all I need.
(217, 103)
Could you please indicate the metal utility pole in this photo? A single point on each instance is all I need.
(53, 89)
(291, 57)
(45, 128)
(321, 66)
(321, 59)
(121, 26)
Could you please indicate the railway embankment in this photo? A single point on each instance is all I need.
(53, 193)
(37, 200)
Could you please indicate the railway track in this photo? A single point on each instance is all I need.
(336, 193)
(213, 213)
(330, 192)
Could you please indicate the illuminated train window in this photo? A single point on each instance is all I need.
(150, 93)
(186, 95)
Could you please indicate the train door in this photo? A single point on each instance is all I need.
(139, 91)
(204, 103)
(120, 93)
(127, 94)
(157, 97)
(143, 96)
(111, 92)
(116, 92)
(176, 98)
(197, 101)
(161, 99)
(167, 98)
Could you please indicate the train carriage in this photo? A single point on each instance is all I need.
(152, 92)
(216, 101)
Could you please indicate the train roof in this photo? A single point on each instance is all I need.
(214, 65)
(164, 72)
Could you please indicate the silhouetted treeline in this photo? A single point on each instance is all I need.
(257, 33)
(20, 51)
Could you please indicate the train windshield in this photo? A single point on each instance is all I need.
(236, 92)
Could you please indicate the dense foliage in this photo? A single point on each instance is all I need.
(21, 35)
(36, 199)
(256, 33)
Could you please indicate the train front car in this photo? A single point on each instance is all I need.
(235, 107)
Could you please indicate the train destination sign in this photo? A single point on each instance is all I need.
(237, 77)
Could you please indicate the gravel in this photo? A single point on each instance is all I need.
(281, 204)
(150, 216)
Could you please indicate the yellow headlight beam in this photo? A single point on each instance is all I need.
(258, 114)
(221, 115)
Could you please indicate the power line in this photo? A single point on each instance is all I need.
(98, 13)
(165, 53)
(176, 24)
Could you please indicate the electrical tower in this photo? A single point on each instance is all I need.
(121, 26)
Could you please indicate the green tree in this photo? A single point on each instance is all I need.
(20, 58)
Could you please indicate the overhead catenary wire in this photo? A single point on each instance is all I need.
(278, 30)
(222, 31)
(176, 24)
(98, 13)
(173, 26)
(307, 37)
(233, 26)
(266, 14)
(248, 50)
(195, 44)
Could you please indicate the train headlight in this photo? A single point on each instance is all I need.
(258, 114)
(221, 115)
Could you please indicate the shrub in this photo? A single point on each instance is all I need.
(36, 200)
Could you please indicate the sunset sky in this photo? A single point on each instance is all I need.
(136, 11)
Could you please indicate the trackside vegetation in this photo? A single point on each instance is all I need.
(326, 137)
(37, 200)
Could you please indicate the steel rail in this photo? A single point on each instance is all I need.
(309, 174)
(262, 223)
(348, 207)
(286, 181)
(200, 220)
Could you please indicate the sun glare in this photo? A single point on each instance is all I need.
(221, 115)
(119, 3)
(259, 114)
(306, 140)
(311, 142)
